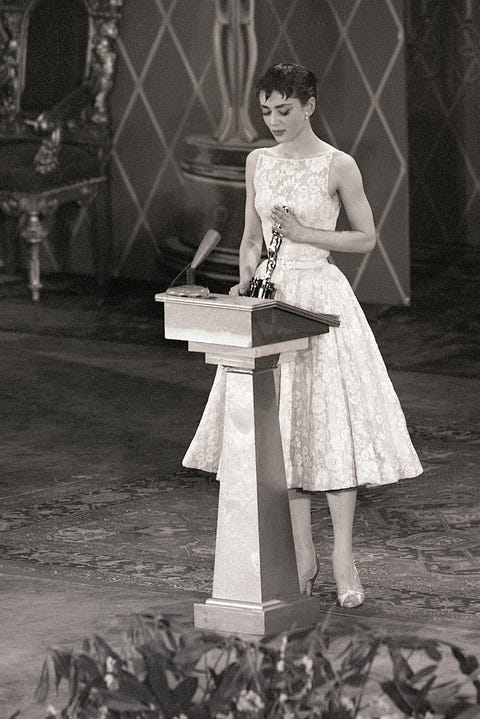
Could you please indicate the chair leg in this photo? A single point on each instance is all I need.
(34, 233)
(102, 235)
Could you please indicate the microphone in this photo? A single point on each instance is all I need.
(209, 242)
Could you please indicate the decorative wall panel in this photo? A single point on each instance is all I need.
(443, 50)
(166, 88)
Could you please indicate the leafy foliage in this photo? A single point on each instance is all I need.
(167, 670)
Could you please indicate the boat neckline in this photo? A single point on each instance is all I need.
(298, 159)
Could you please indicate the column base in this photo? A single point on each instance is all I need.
(223, 615)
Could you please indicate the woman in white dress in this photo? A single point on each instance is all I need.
(341, 422)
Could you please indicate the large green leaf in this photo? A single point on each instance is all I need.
(469, 666)
(403, 703)
(121, 701)
(471, 712)
(155, 663)
(467, 662)
(43, 686)
(184, 692)
(361, 655)
(86, 669)
(416, 643)
(424, 672)
(407, 698)
(130, 685)
(230, 684)
(401, 668)
(104, 651)
(188, 655)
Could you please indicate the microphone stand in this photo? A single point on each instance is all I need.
(190, 289)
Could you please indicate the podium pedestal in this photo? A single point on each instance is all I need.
(255, 585)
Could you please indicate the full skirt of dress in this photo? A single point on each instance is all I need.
(340, 419)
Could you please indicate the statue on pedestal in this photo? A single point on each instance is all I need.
(235, 52)
(214, 165)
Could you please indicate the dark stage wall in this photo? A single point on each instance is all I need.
(166, 88)
(443, 52)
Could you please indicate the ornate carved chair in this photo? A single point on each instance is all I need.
(56, 70)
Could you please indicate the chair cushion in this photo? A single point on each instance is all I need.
(17, 169)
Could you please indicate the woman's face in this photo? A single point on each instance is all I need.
(284, 116)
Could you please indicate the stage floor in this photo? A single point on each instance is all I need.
(98, 520)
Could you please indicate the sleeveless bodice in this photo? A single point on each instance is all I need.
(340, 420)
(301, 185)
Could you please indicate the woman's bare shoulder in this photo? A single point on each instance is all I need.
(344, 169)
(343, 161)
(253, 155)
(252, 159)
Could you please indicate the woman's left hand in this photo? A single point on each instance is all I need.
(287, 224)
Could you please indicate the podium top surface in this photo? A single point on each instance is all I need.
(249, 304)
(239, 321)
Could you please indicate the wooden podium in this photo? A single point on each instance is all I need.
(255, 584)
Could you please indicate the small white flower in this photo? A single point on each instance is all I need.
(347, 703)
(51, 711)
(281, 665)
(249, 701)
(110, 665)
(307, 663)
(111, 681)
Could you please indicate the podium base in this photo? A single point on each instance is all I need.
(231, 617)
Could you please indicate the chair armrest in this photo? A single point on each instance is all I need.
(51, 124)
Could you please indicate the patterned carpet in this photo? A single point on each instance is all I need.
(418, 542)
(143, 522)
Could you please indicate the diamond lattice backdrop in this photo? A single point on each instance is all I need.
(166, 88)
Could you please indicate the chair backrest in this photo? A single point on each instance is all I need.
(56, 58)
(49, 49)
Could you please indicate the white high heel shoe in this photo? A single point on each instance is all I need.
(306, 585)
(352, 598)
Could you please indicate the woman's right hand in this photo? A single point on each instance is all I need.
(239, 290)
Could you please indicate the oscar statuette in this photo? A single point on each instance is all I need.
(263, 287)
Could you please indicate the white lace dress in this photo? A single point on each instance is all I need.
(340, 419)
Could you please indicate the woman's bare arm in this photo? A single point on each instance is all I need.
(252, 238)
(345, 178)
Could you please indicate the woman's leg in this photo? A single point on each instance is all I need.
(341, 504)
(300, 512)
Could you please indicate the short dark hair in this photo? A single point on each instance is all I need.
(290, 80)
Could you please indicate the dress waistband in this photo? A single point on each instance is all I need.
(293, 263)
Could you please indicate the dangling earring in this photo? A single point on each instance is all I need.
(307, 116)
